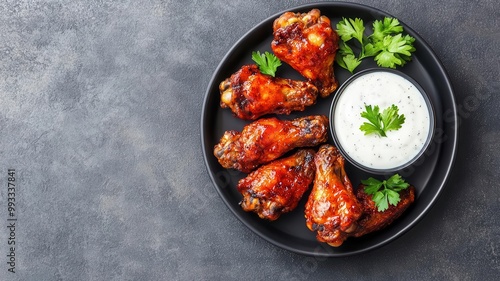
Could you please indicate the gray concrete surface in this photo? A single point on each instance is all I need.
(100, 107)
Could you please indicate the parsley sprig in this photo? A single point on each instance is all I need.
(385, 192)
(268, 63)
(380, 123)
(387, 44)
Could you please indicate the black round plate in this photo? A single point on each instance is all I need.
(428, 175)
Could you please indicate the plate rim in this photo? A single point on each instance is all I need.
(449, 166)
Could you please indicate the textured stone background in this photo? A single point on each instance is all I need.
(100, 105)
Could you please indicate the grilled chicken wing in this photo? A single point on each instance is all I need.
(251, 94)
(276, 188)
(372, 220)
(307, 42)
(332, 209)
(267, 139)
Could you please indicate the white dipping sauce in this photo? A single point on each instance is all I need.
(383, 89)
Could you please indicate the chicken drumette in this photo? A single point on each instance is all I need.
(332, 209)
(267, 139)
(372, 220)
(308, 43)
(277, 187)
(336, 212)
(251, 94)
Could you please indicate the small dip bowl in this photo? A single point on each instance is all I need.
(383, 88)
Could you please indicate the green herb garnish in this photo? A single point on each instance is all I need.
(268, 63)
(387, 44)
(385, 192)
(380, 123)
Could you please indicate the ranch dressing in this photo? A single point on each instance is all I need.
(383, 89)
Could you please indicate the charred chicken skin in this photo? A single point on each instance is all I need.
(372, 220)
(332, 210)
(336, 212)
(276, 188)
(308, 43)
(267, 139)
(251, 94)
